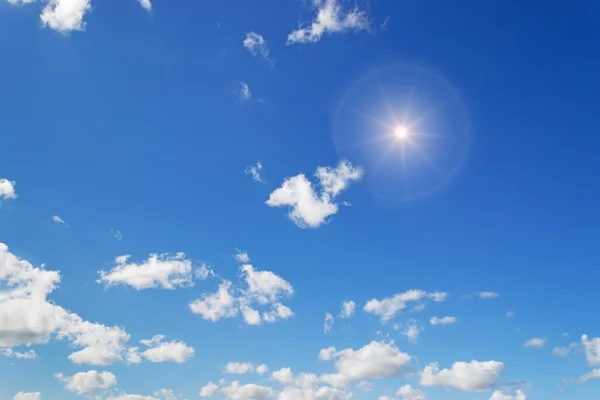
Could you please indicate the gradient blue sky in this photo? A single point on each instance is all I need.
(134, 121)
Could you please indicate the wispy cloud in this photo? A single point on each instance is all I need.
(245, 92)
(59, 220)
(146, 4)
(255, 171)
(257, 45)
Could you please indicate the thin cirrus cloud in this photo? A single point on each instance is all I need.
(257, 45)
(330, 17)
(443, 320)
(311, 207)
(535, 342)
(255, 171)
(59, 220)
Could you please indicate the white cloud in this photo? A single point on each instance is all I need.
(564, 351)
(265, 286)
(126, 396)
(255, 171)
(365, 386)
(261, 369)
(166, 394)
(10, 353)
(166, 271)
(328, 324)
(65, 15)
(203, 272)
(592, 349)
(487, 295)
(208, 390)
(535, 342)
(221, 304)
(88, 382)
(407, 392)
(443, 320)
(375, 360)
(310, 208)
(242, 257)
(330, 18)
(236, 391)
(146, 4)
(387, 308)
(283, 376)
(245, 92)
(239, 368)
(593, 374)
(475, 376)
(279, 311)
(172, 351)
(59, 220)
(7, 188)
(500, 395)
(313, 393)
(256, 45)
(27, 396)
(412, 331)
(348, 308)
(251, 316)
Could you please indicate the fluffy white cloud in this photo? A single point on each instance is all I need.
(236, 391)
(88, 382)
(239, 368)
(261, 369)
(328, 324)
(221, 304)
(172, 351)
(348, 308)
(388, 307)
(208, 390)
(283, 376)
(242, 257)
(412, 331)
(7, 188)
(535, 342)
(475, 376)
(279, 311)
(265, 286)
(443, 320)
(592, 349)
(500, 395)
(166, 271)
(10, 353)
(166, 394)
(255, 172)
(487, 295)
(65, 15)
(375, 360)
(310, 208)
(146, 4)
(245, 92)
(321, 393)
(327, 354)
(407, 392)
(27, 396)
(203, 272)
(257, 45)
(330, 18)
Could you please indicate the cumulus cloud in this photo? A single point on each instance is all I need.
(283, 376)
(242, 257)
(27, 396)
(443, 320)
(10, 353)
(501, 395)
(475, 376)
(412, 331)
(330, 17)
(592, 349)
(309, 206)
(208, 390)
(165, 271)
(257, 45)
(245, 92)
(407, 392)
(88, 382)
(159, 351)
(65, 15)
(375, 360)
(221, 304)
(535, 342)
(255, 172)
(146, 4)
(7, 189)
(236, 391)
(239, 368)
(387, 308)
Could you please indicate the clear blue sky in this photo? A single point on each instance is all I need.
(135, 127)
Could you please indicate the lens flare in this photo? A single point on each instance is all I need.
(406, 127)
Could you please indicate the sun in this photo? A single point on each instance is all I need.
(401, 132)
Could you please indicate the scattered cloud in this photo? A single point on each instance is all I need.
(7, 189)
(237, 391)
(328, 324)
(242, 257)
(474, 376)
(387, 308)
(593, 374)
(309, 207)
(535, 342)
(255, 171)
(407, 392)
(59, 220)
(412, 331)
(146, 4)
(330, 18)
(164, 271)
(592, 349)
(65, 15)
(27, 396)
(88, 382)
(10, 353)
(245, 92)
(159, 351)
(565, 351)
(348, 308)
(501, 395)
(256, 45)
(208, 390)
(487, 295)
(116, 233)
(203, 272)
(443, 320)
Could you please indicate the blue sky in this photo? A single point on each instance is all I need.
(393, 199)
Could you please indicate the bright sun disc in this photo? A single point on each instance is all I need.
(401, 132)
